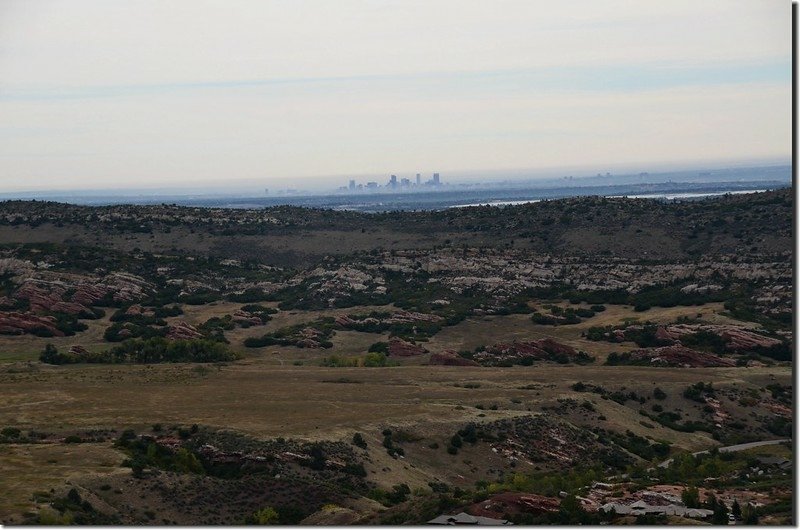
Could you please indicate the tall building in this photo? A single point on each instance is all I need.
(419, 179)
(436, 179)
(393, 181)
(404, 183)
(352, 184)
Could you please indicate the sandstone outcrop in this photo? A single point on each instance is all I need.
(401, 348)
(183, 331)
(679, 356)
(502, 505)
(14, 323)
(450, 358)
(521, 352)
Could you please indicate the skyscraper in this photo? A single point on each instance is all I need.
(393, 181)
(419, 179)
(436, 179)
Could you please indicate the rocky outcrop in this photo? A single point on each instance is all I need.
(78, 350)
(401, 348)
(76, 294)
(511, 503)
(737, 339)
(183, 331)
(678, 356)
(450, 358)
(398, 317)
(138, 310)
(49, 297)
(523, 352)
(14, 323)
(242, 317)
(310, 338)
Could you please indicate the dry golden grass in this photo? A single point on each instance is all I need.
(305, 401)
(28, 347)
(30, 468)
(467, 335)
(267, 395)
(485, 331)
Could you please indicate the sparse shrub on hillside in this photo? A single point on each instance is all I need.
(358, 440)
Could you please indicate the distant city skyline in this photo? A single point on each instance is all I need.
(310, 94)
(403, 184)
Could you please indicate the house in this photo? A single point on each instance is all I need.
(642, 508)
(465, 518)
(779, 461)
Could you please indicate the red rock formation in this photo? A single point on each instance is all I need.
(398, 317)
(401, 348)
(136, 310)
(48, 297)
(541, 350)
(511, 503)
(450, 358)
(664, 336)
(244, 317)
(88, 295)
(736, 338)
(78, 350)
(183, 331)
(678, 355)
(53, 293)
(19, 323)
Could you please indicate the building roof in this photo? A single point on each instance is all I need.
(465, 518)
(772, 460)
(640, 507)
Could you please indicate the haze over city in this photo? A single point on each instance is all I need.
(112, 94)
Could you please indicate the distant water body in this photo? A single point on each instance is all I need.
(445, 199)
(665, 196)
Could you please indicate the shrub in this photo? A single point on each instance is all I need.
(11, 432)
(358, 440)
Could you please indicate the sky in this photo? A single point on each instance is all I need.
(302, 93)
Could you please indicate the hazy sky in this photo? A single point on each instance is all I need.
(130, 93)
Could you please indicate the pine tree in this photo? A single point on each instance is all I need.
(691, 497)
(720, 514)
(736, 510)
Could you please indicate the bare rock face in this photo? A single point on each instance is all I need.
(398, 317)
(512, 503)
(664, 336)
(518, 352)
(450, 358)
(742, 340)
(87, 295)
(401, 348)
(183, 331)
(138, 310)
(14, 323)
(678, 355)
(736, 339)
(243, 317)
(48, 297)
(76, 294)
(310, 338)
(78, 350)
